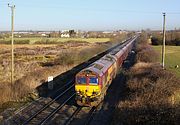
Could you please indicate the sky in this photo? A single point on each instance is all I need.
(90, 14)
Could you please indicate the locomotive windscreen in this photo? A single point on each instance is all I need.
(81, 80)
(93, 81)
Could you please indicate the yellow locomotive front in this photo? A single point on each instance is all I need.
(88, 88)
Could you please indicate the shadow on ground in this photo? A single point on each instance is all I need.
(65, 78)
(115, 93)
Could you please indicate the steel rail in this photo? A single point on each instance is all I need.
(36, 101)
(47, 105)
(90, 116)
(56, 110)
(73, 115)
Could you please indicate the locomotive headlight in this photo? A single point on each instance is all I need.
(78, 92)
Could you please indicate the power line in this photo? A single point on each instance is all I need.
(94, 9)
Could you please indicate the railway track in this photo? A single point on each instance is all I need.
(77, 119)
(56, 109)
(90, 116)
(36, 107)
(73, 115)
(45, 109)
(50, 105)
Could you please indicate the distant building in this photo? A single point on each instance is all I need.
(65, 35)
(68, 33)
(44, 35)
(107, 32)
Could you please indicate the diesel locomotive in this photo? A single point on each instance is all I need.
(92, 82)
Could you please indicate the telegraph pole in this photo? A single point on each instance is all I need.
(164, 40)
(12, 42)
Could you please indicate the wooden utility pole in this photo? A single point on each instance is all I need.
(164, 40)
(12, 42)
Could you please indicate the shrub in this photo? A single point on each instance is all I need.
(22, 41)
(71, 57)
(145, 53)
(86, 54)
(172, 38)
(156, 41)
(149, 89)
(151, 93)
(46, 41)
(177, 42)
(143, 38)
(15, 42)
(66, 58)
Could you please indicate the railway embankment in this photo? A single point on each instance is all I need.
(151, 95)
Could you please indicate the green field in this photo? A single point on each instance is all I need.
(35, 39)
(172, 57)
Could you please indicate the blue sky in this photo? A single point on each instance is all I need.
(90, 14)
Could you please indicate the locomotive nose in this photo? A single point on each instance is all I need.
(88, 93)
(85, 92)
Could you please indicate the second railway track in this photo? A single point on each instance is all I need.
(81, 116)
(36, 108)
(51, 106)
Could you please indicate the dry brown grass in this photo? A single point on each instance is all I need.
(149, 93)
(152, 94)
(5, 92)
(29, 82)
(33, 65)
(145, 53)
(153, 80)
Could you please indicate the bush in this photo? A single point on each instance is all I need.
(148, 100)
(21, 41)
(66, 58)
(46, 41)
(143, 38)
(156, 41)
(71, 57)
(145, 53)
(86, 54)
(153, 80)
(172, 38)
(15, 42)
(152, 94)
(177, 42)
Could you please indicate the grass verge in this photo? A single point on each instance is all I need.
(172, 57)
(52, 40)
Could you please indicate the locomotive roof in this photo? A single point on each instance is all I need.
(100, 66)
(118, 54)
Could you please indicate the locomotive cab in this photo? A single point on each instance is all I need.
(87, 87)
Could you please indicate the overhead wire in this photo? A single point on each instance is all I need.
(55, 6)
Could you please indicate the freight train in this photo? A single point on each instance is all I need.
(92, 82)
